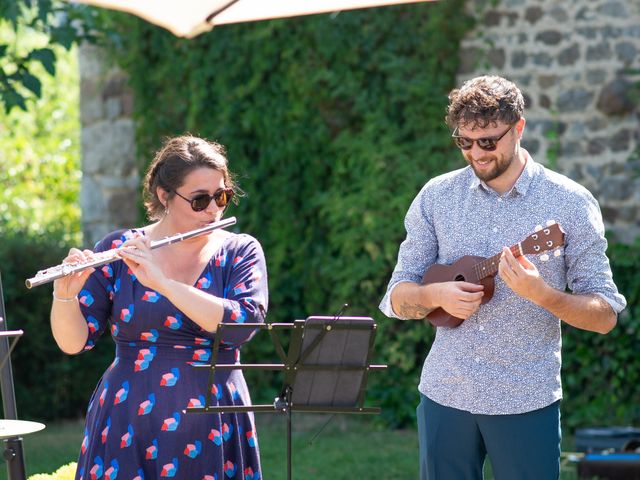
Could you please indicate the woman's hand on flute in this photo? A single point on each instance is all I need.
(70, 285)
(136, 253)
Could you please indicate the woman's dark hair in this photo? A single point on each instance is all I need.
(484, 101)
(178, 157)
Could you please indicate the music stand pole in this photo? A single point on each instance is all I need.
(13, 452)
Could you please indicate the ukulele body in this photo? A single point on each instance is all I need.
(460, 271)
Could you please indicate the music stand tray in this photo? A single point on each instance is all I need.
(325, 369)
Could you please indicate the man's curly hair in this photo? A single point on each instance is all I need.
(484, 101)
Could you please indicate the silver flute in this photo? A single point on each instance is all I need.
(102, 258)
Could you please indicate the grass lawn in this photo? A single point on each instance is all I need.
(347, 448)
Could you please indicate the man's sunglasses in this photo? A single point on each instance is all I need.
(200, 202)
(488, 143)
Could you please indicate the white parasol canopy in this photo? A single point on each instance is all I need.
(188, 18)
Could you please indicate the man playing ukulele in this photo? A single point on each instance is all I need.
(491, 386)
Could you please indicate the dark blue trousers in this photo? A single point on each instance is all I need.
(454, 443)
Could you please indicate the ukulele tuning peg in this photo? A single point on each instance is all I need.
(550, 222)
(544, 257)
(538, 228)
(557, 253)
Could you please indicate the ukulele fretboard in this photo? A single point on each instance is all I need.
(489, 266)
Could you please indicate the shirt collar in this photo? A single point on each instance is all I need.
(522, 184)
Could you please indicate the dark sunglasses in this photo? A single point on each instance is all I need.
(200, 202)
(488, 143)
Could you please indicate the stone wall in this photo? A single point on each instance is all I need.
(576, 61)
(110, 181)
(573, 59)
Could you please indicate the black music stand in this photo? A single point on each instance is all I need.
(325, 369)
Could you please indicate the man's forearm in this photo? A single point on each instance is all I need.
(413, 301)
(587, 312)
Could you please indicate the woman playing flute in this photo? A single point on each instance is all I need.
(163, 307)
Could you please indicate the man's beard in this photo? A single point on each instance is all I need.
(499, 165)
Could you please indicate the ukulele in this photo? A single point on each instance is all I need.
(481, 271)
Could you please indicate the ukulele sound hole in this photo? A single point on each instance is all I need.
(459, 278)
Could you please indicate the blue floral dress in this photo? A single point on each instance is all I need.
(136, 427)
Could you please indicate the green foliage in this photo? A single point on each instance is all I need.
(40, 160)
(333, 122)
(48, 383)
(601, 374)
(60, 24)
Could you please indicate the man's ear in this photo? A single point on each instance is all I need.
(520, 126)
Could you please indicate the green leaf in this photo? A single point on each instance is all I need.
(64, 35)
(11, 98)
(32, 83)
(46, 57)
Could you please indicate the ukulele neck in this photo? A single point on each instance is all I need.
(489, 266)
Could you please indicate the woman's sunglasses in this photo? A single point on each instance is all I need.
(200, 202)
(488, 143)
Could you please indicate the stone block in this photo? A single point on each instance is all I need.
(547, 81)
(91, 110)
(91, 61)
(620, 142)
(92, 201)
(598, 52)
(544, 101)
(532, 145)
(615, 9)
(626, 52)
(533, 14)
(597, 76)
(542, 59)
(586, 14)
(569, 55)
(492, 18)
(574, 100)
(122, 183)
(616, 188)
(615, 98)
(496, 57)
(630, 213)
(596, 146)
(115, 86)
(108, 147)
(528, 101)
(113, 107)
(469, 58)
(550, 37)
(559, 14)
(121, 206)
(518, 59)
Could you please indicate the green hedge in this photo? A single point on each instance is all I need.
(601, 373)
(48, 384)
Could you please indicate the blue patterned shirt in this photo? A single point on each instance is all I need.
(504, 359)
